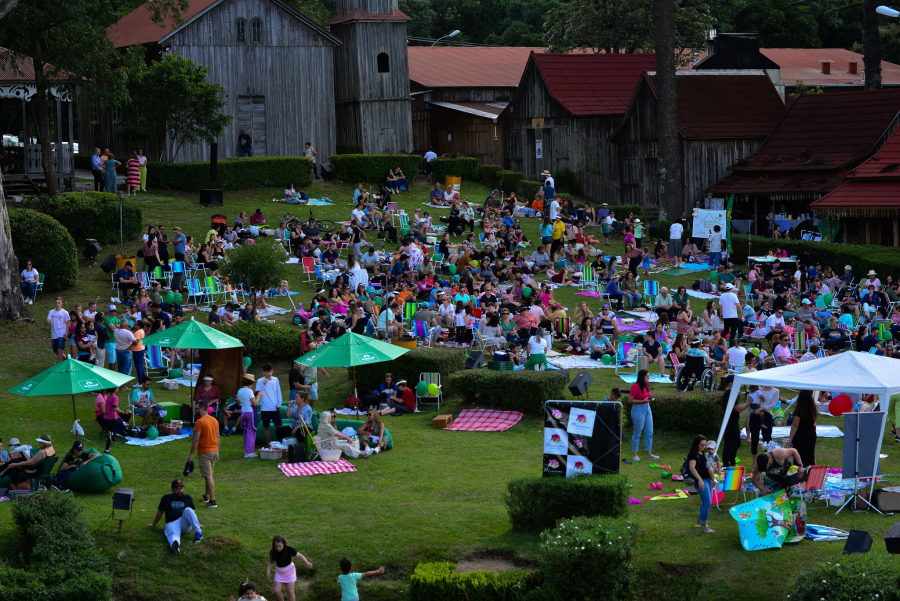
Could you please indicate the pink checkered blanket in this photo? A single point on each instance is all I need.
(312, 468)
(485, 420)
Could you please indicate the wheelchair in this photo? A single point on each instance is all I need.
(695, 370)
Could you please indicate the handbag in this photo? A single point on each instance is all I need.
(686, 474)
(140, 253)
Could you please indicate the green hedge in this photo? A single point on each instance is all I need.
(685, 412)
(233, 174)
(858, 576)
(884, 260)
(466, 168)
(441, 582)
(56, 558)
(509, 180)
(440, 359)
(486, 387)
(349, 149)
(589, 558)
(355, 168)
(536, 503)
(265, 340)
(489, 175)
(50, 247)
(527, 189)
(83, 161)
(91, 215)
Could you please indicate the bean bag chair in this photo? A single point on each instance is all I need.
(173, 410)
(340, 424)
(99, 475)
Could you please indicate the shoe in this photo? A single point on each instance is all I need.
(198, 537)
(707, 530)
(250, 455)
(213, 504)
(205, 498)
(636, 458)
(176, 548)
(378, 449)
(651, 456)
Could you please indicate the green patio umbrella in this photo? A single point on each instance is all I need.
(71, 377)
(351, 350)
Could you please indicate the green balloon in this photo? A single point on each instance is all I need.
(526, 292)
(606, 360)
(247, 362)
(178, 298)
(452, 269)
(170, 297)
(433, 389)
(174, 374)
(379, 301)
(152, 433)
(422, 388)
(828, 298)
(887, 335)
(474, 263)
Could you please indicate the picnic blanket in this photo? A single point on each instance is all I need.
(703, 295)
(695, 266)
(576, 362)
(647, 316)
(146, 442)
(655, 378)
(677, 271)
(639, 325)
(785, 432)
(428, 204)
(275, 294)
(312, 468)
(485, 420)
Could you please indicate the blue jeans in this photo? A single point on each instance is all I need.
(138, 358)
(247, 152)
(642, 418)
(632, 298)
(28, 289)
(714, 259)
(123, 362)
(705, 500)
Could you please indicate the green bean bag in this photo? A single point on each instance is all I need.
(99, 475)
(173, 410)
(340, 424)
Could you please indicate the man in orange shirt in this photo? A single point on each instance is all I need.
(206, 445)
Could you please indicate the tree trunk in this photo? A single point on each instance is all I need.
(671, 201)
(42, 106)
(871, 46)
(12, 305)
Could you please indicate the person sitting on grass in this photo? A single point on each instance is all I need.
(600, 345)
(371, 434)
(653, 352)
(401, 402)
(74, 460)
(180, 517)
(347, 580)
(20, 472)
(247, 592)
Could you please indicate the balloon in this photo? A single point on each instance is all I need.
(452, 269)
(886, 335)
(152, 433)
(247, 362)
(433, 389)
(526, 292)
(828, 298)
(606, 360)
(379, 301)
(174, 374)
(422, 388)
(474, 263)
(170, 297)
(178, 298)
(840, 405)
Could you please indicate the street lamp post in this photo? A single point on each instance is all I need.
(449, 35)
(887, 11)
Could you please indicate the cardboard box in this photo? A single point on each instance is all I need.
(887, 501)
(442, 421)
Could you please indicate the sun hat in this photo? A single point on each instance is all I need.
(848, 268)
(637, 220)
(249, 377)
(44, 439)
(872, 272)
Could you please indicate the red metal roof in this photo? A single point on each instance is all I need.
(15, 67)
(859, 194)
(803, 63)
(818, 182)
(137, 27)
(589, 84)
(884, 164)
(726, 106)
(468, 67)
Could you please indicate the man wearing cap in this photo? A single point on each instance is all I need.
(425, 314)
(492, 205)
(180, 516)
(127, 282)
(206, 444)
(603, 213)
(401, 402)
(74, 460)
(731, 313)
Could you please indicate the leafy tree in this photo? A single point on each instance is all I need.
(779, 23)
(801, 89)
(319, 11)
(890, 43)
(423, 17)
(261, 264)
(173, 93)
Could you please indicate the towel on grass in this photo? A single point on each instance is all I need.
(654, 378)
(577, 362)
(677, 271)
(428, 204)
(696, 266)
(485, 420)
(703, 295)
(312, 468)
(146, 442)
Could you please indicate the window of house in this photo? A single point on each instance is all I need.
(241, 29)
(116, 115)
(93, 114)
(256, 31)
(384, 64)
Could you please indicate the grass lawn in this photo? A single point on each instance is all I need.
(436, 496)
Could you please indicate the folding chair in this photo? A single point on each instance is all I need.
(430, 378)
(143, 279)
(563, 327)
(588, 278)
(40, 285)
(400, 219)
(676, 364)
(156, 361)
(211, 288)
(748, 294)
(420, 330)
(622, 365)
(42, 477)
(732, 481)
(158, 274)
(815, 483)
(327, 278)
(309, 269)
(196, 291)
(799, 343)
(409, 310)
(651, 289)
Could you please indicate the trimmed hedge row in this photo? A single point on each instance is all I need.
(863, 258)
(264, 340)
(233, 174)
(466, 168)
(536, 503)
(441, 582)
(439, 359)
(47, 244)
(509, 180)
(83, 161)
(527, 189)
(489, 175)
(693, 414)
(485, 387)
(373, 167)
(858, 576)
(90, 215)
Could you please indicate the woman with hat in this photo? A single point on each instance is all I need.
(248, 400)
(20, 472)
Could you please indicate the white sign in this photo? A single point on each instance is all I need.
(705, 220)
(581, 421)
(578, 466)
(539, 148)
(556, 441)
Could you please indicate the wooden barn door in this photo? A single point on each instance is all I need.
(252, 119)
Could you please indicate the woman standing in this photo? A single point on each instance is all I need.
(803, 427)
(139, 350)
(150, 250)
(248, 401)
(641, 416)
(696, 464)
(282, 557)
(112, 179)
(142, 169)
(132, 174)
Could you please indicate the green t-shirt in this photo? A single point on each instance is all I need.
(111, 320)
(639, 231)
(726, 278)
(348, 585)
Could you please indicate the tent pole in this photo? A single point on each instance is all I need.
(74, 415)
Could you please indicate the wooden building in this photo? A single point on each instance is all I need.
(458, 94)
(722, 118)
(276, 66)
(372, 76)
(566, 108)
(820, 138)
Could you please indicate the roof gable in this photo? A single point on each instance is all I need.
(883, 165)
(468, 67)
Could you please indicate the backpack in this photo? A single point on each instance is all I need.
(686, 474)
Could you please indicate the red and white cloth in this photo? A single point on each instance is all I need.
(485, 420)
(312, 468)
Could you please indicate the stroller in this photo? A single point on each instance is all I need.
(695, 369)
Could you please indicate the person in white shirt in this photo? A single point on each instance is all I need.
(736, 354)
(731, 312)
(28, 281)
(58, 319)
(774, 324)
(429, 168)
(675, 246)
(91, 312)
(715, 247)
(762, 401)
(554, 208)
(358, 214)
(537, 344)
(270, 401)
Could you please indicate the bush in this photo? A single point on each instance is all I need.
(466, 168)
(568, 181)
(50, 247)
(349, 149)
(441, 582)
(488, 387)
(622, 211)
(264, 340)
(59, 560)
(356, 168)
(233, 174)
(685, 412)
(536, 503)
(527, 189)
(863, 258)
(509, 180)
(83, 161)
(589, 558)
(91, 215)
(489, 175)
(440, 359)
(859, 576)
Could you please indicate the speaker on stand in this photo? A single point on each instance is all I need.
(580, 384)
(475, 360)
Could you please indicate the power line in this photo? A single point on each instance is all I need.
(432, 40)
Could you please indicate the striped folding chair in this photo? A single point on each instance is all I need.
(211, 288)
(814, 484)
(156, 361)
(197, 291)
(651, 289)
(622, 365)
(588, 278)
(409, 310)
(427, 398)
(400, 219)
(799, 343)
(158, 274)
(309, 269)
(563, 327)
(176, 268)
(143, 279)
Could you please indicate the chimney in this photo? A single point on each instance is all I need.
(852, 67)
(826, 67)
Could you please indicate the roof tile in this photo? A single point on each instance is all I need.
(468, 67)
(137, 27)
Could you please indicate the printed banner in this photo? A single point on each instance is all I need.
(581, 437)
(705, 220)
(769, 522)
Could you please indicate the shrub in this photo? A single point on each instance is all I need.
(602, 548)
(440, 359)
(488, 387)
(233, 174)
(441, 582)
(689, 413)
(466, 168)
(349, 149)
(863, 258)
(527, 189)
(622, 211)
(49, 246)
(373, 167)
(261, 265)
(568, 181)
(489, 175)
(536, 503)
(91, 215)
(264, 340)
(859, 576)
(509, 180)
(83, 161)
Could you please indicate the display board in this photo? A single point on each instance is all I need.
(871, 426)
(705, 220)
(582, 437)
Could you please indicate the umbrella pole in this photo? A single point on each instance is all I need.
(74, 415)
(355, 395)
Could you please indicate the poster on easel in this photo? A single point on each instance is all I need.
(456, 182)
(771, 521)
(581, 437)
(705, 221)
